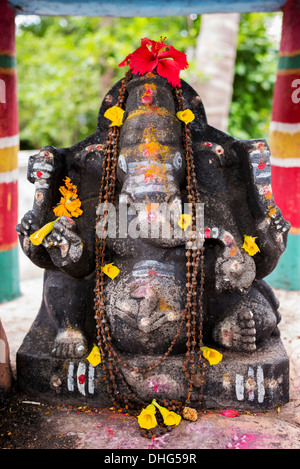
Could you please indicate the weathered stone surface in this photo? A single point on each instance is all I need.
(255, 382)
(146, 306)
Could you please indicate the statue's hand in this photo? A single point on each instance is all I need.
(273, 227)
(27, 225)
(37, 254)
(45, 172)
(64, 245)
(235, 274)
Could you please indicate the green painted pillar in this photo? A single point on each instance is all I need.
(9, 146)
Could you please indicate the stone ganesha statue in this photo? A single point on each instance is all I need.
(154, 149)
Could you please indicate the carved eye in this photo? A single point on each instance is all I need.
(219, 150)
(122, 163)
(177, 160)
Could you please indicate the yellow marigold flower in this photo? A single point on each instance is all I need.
(69, 185)
(272, 211)
(185, 116)
(95, 356)
(37, 237)
(250, 245)
(115, 114)
(212, 356)
(70, 204)
(147, 418)
(70, 190)
(68, 208)
(61, 211)
(170, 418)
(184, 221)
(110, 270)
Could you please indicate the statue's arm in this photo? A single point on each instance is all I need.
(71, 244)
(45, 171)
(271, 229)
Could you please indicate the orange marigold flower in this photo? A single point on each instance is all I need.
(70, 204)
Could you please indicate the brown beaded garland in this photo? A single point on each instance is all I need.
(111, 361)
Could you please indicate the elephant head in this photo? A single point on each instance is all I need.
(151, 164)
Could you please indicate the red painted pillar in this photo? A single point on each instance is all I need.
(285, 145)
(9, 145)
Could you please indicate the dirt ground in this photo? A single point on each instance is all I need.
(22, 426)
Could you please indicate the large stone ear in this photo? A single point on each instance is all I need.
(109, 100)
(194, 102)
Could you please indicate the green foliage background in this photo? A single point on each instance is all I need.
(66, 66)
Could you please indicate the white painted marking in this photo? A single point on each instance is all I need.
(283, 127)
(260, 384)
(177, 160)
(43, 166)
(265, 174)
(122, 163)
(285, 162)
(81, 371)
(45, 175)
(7, 142)
(9, 176)
(251, 376)
(41, 186)
(91, 387)
(239, 387)
(71, 377)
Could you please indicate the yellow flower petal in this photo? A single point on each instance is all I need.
(185, 116)
(184, 221)
(94, 357)
(61, 211)
(250, 245)
(37, 237)
(73, 207)
(71, 187)
(170, 418)
(110, 270)
(69, 203)
(147, 418)
(115, 114)
(212, 356)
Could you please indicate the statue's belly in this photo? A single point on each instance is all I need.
(145, 306)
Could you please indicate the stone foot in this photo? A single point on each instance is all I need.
(69, 344)
(237, 332)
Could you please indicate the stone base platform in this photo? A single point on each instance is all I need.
(254, 382)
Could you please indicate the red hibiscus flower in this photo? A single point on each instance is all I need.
(167, 60)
